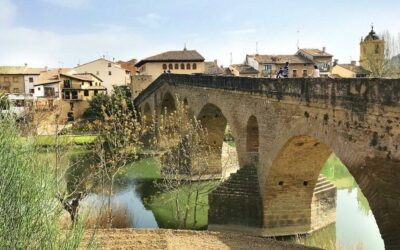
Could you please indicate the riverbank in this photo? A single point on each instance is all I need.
(152, 239)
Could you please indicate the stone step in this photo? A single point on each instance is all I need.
(328, 185)
(321, 183)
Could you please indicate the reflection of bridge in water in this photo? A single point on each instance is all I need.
(286, 129)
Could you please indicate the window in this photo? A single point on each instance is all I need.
(295, 73)
(74, 94)
(305, 73)
(32, 91)
(91, 84)
(30, 79)
(377, 49)
(67, 84)
(268, 68)
(38, 89)
(188, 66)
(109, 65)
(96, 92)
(67, 95)
(109, 73)
(86, 92)
(182, 66)
(16, 90)
(176, 66)
(164, 66)
(82, 83)
(194, 66)
(170, 66)
(15, 79)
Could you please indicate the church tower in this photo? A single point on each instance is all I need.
(372, 49)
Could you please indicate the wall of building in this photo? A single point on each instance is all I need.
(156, 69)
(139, 83)
(101, 69)
(12, 84)
(29, 81)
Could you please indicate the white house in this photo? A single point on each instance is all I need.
(109, 72)
(31, 76)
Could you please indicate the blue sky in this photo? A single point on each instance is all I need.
(66, 32)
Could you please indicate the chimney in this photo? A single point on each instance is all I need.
(353, 63)
(25, 64)
(335, 62)
(323, 49)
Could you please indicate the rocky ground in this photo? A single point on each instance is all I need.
(150, 239)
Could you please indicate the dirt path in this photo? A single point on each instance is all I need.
(150, 239)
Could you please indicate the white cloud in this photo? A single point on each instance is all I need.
(20, 45)
(152, 20)
(7, 12)
(74, 4)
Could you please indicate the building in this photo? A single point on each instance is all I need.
(351, 70)
(320, 58)
(177, 62)
(110, 72)
(372, 50)
(269, 65)
(243, 70)
(212, 68)
(18, 79)
(129, 66)
(68, 90)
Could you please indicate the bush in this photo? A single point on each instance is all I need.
(29, 213)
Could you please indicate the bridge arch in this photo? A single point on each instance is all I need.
(252, 140)
(212, 119)
(290, 185)
(147, 114)
(168, 104)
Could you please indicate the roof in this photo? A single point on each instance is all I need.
(314, 52)
(129, 65)
(20, 70)
(100, 59)
(282, 59)
(212, 68)
(174, 56)
(89, 75)
(354, 68)
(371, 35)
(244, 69)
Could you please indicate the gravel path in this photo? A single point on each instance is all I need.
(150, 239)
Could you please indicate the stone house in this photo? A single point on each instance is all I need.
(320, 58)
(18, 79)
(351, 70)
(269, 65)
(67, 90)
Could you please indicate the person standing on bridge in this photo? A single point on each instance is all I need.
(285, 72)
(316, 72)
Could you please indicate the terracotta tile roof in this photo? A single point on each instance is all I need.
(20, 70)
(129, 65)
(174, 56)
(282, 59)
(212, 68)
(314, 52)
(244, 69)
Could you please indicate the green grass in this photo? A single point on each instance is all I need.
(164, 209)
(79, 140)
(148, 168)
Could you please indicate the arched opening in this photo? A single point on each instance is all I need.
(168, 104)
(222, 157)
(147, 114)
(301, 195)
(252, 140)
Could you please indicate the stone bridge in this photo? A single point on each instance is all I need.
(289, 127)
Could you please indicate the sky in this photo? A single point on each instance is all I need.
(64, 33)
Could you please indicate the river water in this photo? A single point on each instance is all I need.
(136, 194)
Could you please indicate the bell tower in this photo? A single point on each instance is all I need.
(372, 49)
